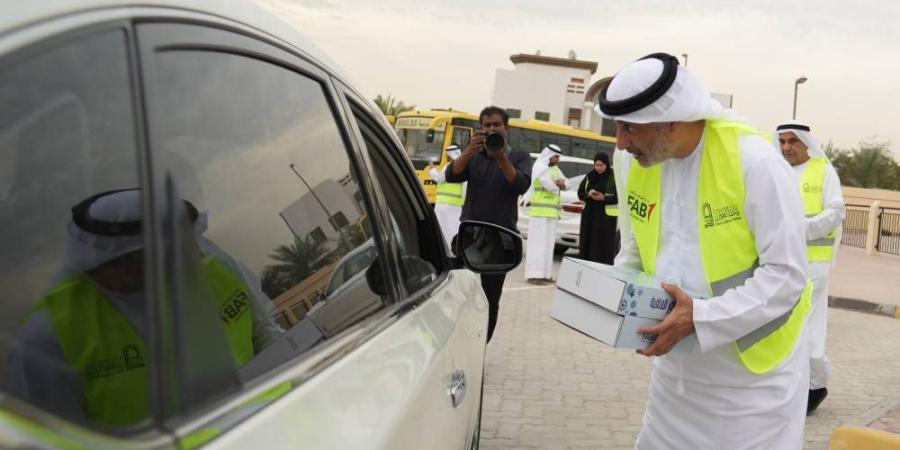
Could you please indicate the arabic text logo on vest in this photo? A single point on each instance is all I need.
(719, 215)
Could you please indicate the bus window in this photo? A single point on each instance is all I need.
(564, 142)
(528, 141)
(422, 146)
(585, 148)
(461, 137)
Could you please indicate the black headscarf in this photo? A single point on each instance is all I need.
(598, 181)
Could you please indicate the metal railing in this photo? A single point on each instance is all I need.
(888, 231)
(856, 224)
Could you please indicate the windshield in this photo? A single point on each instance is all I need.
(422, 145)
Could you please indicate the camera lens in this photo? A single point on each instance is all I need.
(494, 141)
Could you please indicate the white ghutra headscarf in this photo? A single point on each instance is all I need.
(542, 165)
(802, 131)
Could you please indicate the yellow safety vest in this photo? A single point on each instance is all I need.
(727, 245)
(109, 356)
(545, 203)
(812, 190)
(450, 194)
(612, 210)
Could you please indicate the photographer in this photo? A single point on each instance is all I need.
(497, 176)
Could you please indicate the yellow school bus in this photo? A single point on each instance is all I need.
(426, 133)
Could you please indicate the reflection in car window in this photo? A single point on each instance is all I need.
(72, 333)
(282, 206)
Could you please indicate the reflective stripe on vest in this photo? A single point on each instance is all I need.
(727, 245)
(812, 190)
(545, 203)
(110, 357)
(450, 194)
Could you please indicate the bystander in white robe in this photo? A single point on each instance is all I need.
(817, 227)
(701, 396)
(541, 230)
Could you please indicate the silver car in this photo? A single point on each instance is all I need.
(212, 240)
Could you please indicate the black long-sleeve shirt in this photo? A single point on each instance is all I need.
(489, 197)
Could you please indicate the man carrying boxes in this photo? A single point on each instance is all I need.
(715, 213)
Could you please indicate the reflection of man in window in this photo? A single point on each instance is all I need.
(82, 351)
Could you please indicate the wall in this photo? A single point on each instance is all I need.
(865, 197)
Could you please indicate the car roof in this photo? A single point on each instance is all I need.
(15, 16)
(567, 158)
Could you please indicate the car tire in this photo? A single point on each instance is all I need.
(559, 249)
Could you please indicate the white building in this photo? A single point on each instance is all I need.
(309, 215)
(553, 89)
(544, 88)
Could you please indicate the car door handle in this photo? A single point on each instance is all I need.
(457, 387)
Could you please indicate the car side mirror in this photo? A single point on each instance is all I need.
(416, 272)
(487, 248)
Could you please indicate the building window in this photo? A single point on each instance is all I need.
(339, 220)
(608, 128)
(317, 235)
(514, 113)
(575, 117)
(540, 115)
(576, 80)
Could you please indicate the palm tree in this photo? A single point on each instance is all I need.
(390, 106)
(297, 262)
(869, 166)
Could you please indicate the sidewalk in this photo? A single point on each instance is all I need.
(866, 283)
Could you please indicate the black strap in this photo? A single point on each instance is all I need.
(792, 126)
(82, 218)
(646, 97)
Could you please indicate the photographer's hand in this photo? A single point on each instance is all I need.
(475, 146)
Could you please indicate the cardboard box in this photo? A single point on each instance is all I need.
(599, 323)
(622, 291)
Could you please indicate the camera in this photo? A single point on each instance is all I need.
(494, 141)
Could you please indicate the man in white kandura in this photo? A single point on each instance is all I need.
(823, 205)
(715, 215)
(547, 182)
(450, 197)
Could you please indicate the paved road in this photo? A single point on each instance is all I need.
(548, 387)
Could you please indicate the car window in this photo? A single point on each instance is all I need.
(414, 228)
(255, 147)
(72, 333)
(574, 182)
(572, 168)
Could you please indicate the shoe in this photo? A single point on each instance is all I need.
(815, 399)
(549, 281)
(536, 281)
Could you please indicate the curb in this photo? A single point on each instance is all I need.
(864, 306)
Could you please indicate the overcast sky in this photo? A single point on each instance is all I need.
(445, 54)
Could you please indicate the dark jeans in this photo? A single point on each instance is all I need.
(493, 287)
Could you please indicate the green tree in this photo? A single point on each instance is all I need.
(871, 165)
(297, 262)
(390, 106)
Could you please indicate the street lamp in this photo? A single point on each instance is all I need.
(685, 59)
(311, 191)
(797, 82)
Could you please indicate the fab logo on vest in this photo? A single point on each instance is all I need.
(236, 306)
(640, 208)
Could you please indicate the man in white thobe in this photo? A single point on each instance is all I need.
(703, 395)
(547, 183)
(450, 198)
(821, 188)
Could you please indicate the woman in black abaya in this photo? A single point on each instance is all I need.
(598, 230)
